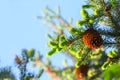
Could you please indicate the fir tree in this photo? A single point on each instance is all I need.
(92, 44)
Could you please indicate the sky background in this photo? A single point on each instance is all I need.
(19, 29)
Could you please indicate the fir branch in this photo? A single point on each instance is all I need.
(110, 16)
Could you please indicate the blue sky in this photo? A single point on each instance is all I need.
(20, 29)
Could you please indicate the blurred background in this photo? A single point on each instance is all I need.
(21, 29)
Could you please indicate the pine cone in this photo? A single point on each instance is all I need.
(81, 72)
(92, 38)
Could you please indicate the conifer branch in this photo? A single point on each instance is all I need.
(110, 16)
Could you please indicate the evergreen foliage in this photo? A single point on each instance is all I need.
(95, 56)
